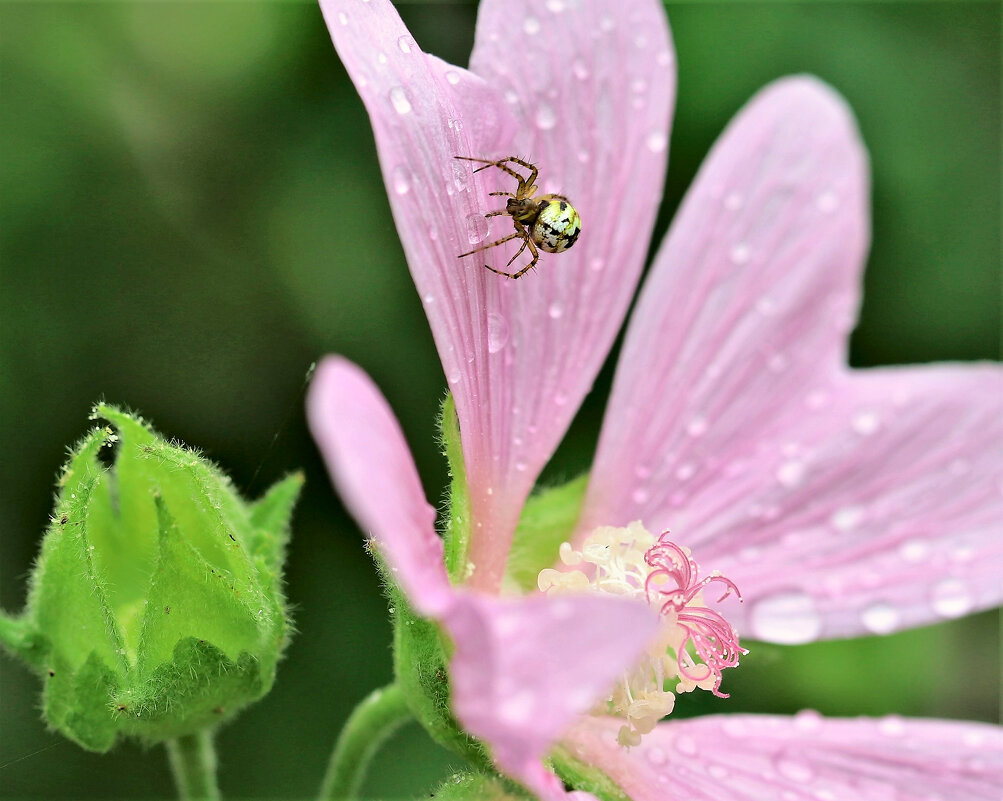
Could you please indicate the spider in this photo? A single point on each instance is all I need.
(548, 222)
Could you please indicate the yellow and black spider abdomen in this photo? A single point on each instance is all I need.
(557, 225)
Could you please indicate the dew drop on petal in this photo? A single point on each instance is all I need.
(891, 726)
(342, 18)
(640, 495)
(656, 141)
(560, 399)
(596, 263)
(733, 201)
(405, 44)
(791, 474)
(950, 598)
(454, 376)
(401, 179)
(788, 618)
(477, 228)
(795, 769)
(453, 77)
(656, 756)
(686, 745)
(398, 98)
(555, 311)
(808, 720)
(880, 618)
(739, 253)
(866, 423)
(827, 202)
(580, 69)
(531, 25)
(685, 471)
(717, 771)
(847, 518)
(497, 332)
(914, 551)
(546, 118)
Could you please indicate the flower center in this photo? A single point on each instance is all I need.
(694, 644)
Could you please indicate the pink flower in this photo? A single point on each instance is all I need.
(834, 498)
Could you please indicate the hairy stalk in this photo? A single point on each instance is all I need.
(193, 763)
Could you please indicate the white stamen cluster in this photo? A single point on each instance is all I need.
(613, 560)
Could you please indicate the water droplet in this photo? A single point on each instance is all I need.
(685, 472)
(477, 228)
(827, 202)
(816, 400)
(596, 263)
(664, 58)
(556, 311)
(847, 518)
(584, 157)
(545, 117)
(402, 179)
(733, 201)
(891, 726)
(656, 756)
(788, 618)
(656, 141)
(428, 299)
(454, 376)
(739, 253)
(381, 57)
(640, 495)
(697, 427)
(866, 423)
(678, 498)
(580, 70)
(808, 720)
(795, 769)
(951, 599)
(497, 332)
(717, 771)
(686, 745)
(405, 43)
(531, 25)
(555, 6)
(342, 18)
(453, 77)
(398, 98)
(880, 618)
(963, 552)
(791, 474)
(521, 466)
(914, 551)
(638, 86)
(560, 399)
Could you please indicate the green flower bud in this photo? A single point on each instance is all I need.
(155, 608)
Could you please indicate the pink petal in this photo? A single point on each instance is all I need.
(757, 273)
(840, 502)
(372, 469)
(804, 758)
(525, 669)
(586, 91)
(894, 520)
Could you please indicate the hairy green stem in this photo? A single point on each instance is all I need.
(193, 763)
(368, 727)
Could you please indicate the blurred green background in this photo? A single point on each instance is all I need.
(182, 188)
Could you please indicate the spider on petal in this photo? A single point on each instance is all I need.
(548, 223)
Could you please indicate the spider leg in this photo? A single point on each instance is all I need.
(491, 244)
(496, 194)
(518, 253)
(496, 213)
(520, 230)
(501, 166)
(533, 172)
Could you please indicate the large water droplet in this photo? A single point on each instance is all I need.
(788, 618)
(453, 77)
(791, 474)
(342, 18)
(808, 720)
(656, 141)
(561, 399)
(546, 118)
(398, 98)
(477, 228)
(891, 726)
(914, 551)
(401, 179)
(454, 376)
(880, 618)
(866, 423)
(405, 44)
(531, 25)
(847, 518)
(497, 332)
(555, 311)
(950, 598)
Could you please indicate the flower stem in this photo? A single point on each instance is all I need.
(193, 763)
(370, 724)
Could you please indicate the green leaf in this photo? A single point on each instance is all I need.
(477, 787)
(581, 776)
(456, 537)
(271, 516)
(547, 520)
(189, 597)
(19, 636)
